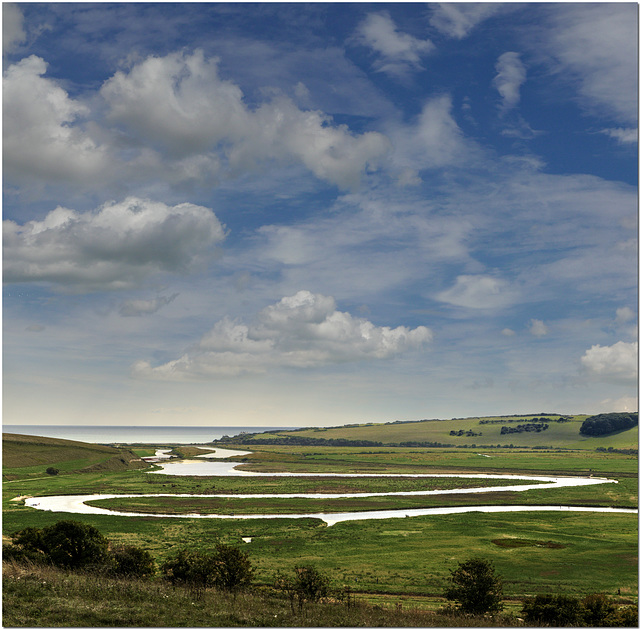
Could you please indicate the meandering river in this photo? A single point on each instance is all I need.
(77, 503)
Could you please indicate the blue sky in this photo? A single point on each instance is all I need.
(315, 214)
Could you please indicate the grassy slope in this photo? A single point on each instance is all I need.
(27, 455)
(558, 435)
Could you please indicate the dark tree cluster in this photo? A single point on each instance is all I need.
(73, 545)
(228, 568)
(533, 427)
(606, 423)
(594, 610)
(464, 433)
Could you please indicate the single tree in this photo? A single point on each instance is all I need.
(476, 587)
(311, 583)
(232, 568)
(306, 584)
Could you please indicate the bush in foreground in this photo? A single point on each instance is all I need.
(68, 544)
(307, 584)
(130, 561)
(476, 587)
(232, 567)
(191, 568)
(228, 568)
(594, 610)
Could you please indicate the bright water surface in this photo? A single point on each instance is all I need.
(76, 504)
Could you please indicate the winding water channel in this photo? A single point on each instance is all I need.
(77, 503)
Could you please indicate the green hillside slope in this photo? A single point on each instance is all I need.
(541, 431)
(26, 455)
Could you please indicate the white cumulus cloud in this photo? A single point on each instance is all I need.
(179, 105)
(399, 53)
(41, 131)
(114, 247)
(616, 363)
(300, 331)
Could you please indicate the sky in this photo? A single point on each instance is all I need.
(264, 214)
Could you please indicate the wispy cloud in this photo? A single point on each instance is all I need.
(458, 19)
(399, 53)
(511, 75)
(479, 292)
(601, 62)
(143, 307)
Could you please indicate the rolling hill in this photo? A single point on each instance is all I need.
(521, 431)
(27, 454)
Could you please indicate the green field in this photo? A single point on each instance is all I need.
(384, 561)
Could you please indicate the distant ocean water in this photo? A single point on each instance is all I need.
(136, 434)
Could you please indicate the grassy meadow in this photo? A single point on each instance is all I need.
(384, 562)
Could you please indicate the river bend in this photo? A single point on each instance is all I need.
(77, 503)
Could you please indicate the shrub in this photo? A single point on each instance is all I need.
(29, 540)
(72, 544)
(307, 584)
(190, 567)
(130, 561)
(53, 471)
(555, 610)
(476, 587)
(22, 555)
(68, 544)
(232, 568)
(599, 611)
(311, 584)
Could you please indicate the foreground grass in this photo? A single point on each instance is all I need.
(47, 597)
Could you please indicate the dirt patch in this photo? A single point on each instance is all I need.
(20, 498)
(515, 542)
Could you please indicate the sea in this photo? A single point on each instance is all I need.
(137, 434)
